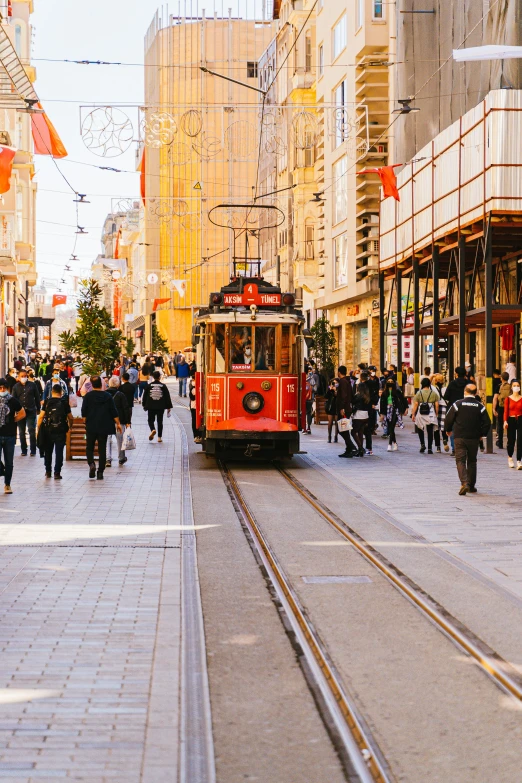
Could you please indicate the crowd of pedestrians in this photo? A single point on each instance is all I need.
(40, 393)
(447, 416)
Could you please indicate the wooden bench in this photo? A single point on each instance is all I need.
(320, 416)
(76, 440)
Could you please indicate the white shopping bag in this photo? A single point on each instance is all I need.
(344, 425)
(129, 441)
(73, 400)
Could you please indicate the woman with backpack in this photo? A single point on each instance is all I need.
(425, 414)
(392, 405)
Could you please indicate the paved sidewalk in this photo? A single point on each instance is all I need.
(90, 617)
(420, 492)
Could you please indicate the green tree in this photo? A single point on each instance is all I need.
(158, 341)
(130, 345)
(325, 351)
(95, 340)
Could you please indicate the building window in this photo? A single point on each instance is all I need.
(339, 36)
(340, 189)
(321, 59)
(378, 10)
(360, 13)
(18, 40)
(309, 241)
(251, 70)
(341, 132)
(340, 254)
(308, 52)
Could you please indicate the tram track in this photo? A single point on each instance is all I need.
(359, 752)
(351, 736)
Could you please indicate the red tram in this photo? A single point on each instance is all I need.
(250, 388)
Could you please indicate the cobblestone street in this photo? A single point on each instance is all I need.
(89, 663)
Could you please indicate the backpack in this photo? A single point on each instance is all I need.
(425, 406)
(503, 392)
(54, 417)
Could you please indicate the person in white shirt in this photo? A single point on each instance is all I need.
(511, 367)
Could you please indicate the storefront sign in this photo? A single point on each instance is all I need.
(352, 310)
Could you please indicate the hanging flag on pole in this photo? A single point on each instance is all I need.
(388, 179)
(45, 138)
(178, 285)
(142, 176)
(158, 302)
(6, 167)
(59, 299)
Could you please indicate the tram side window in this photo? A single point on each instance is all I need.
(241, 349)
(285, 350)
(220, 348)
(265, 348)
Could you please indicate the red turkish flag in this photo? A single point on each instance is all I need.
(6, 167)
(45, 137)
(142, 176)
(159, 302)
(59, 299)
(388, 179)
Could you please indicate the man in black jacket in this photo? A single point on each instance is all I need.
(54, 418)
(129, 390)
(101, 420)
(28, 395)
(468, 421)
(156, 400)
(344, 408)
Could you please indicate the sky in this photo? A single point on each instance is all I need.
(110, 30)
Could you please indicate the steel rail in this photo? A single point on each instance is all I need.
(490, 662)
(361, 752)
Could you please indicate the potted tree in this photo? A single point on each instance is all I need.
(325, 353)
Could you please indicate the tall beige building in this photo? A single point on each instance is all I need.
(201, 142)
(352, 85)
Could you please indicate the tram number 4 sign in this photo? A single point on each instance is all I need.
(251, 296)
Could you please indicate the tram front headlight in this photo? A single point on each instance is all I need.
(253, 402)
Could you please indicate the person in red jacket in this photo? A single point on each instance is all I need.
(513, 424)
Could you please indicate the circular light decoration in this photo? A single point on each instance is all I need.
(191, 123)
(159, 128)
(107, 132)
(152, 278)
(179, 153)
(304, 127)
(241, 139)
(208, 147)
(116, 274)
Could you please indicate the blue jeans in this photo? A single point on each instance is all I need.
(7, 447)
(135, 385)
(142, 386)
(57, 444)
(182, 386)
(30, 421)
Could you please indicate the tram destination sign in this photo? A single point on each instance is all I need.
(252, 296)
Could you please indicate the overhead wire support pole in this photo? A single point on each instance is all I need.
(398, 293)
(462, 300)
(488, 329)
(382, 322)
(416, 323)
(436, 312)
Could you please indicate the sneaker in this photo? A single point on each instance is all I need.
(122, 461)
(347, 454)
(446, 447)
(464, 488)
(32, 454)
(395, 447)
(369, 453)
(7, 490)
(108, 463)
(472, 489)
(57, 477)
(160, 440)
(390, 447)
(336, 440)
(430, 451)
(48, 475)
(23, 454)
(92, 470)
(152, 434)
(198, 440)
(422, 449)
(99, 475)
(511, 464)
(519, 465)
(439, 451)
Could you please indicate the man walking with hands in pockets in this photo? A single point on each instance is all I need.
(468, 421)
